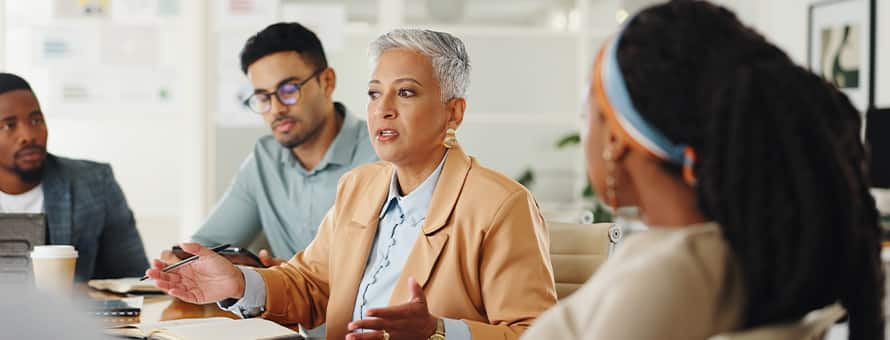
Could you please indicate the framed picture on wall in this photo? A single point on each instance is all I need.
(841, 47)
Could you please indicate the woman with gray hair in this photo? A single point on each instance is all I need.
(426, 243)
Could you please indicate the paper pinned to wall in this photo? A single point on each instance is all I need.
(130, 45)
(249, 14)
(232, 86)
(124, 92)
(71, 45)
(73, 92)
(168, 8)
(231, 110)
(28, 13)
(228, 51)
(135, 12)
(150, 90)
(328, 21)
(81, 9)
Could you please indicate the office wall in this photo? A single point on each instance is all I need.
(521, 101)
(524, 96)
(882, 55)
(785, 24)
(173, 163)
(156, 149)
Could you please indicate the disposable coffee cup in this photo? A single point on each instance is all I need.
(54, 268)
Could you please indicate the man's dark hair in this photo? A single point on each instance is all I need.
(781, 166)
(11, 82)
(282, 37)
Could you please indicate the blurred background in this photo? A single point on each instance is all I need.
(154, 86)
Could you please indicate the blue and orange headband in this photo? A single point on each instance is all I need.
(613, 98)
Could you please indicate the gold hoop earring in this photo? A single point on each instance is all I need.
(611, 181)
(450, 138)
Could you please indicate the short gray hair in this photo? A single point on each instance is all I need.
(447, 53)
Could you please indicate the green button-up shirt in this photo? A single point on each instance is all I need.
(273, 193)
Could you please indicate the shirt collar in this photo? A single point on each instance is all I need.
(343, 146)
(415, 204)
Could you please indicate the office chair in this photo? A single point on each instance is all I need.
(577, 251)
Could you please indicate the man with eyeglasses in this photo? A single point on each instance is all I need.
(288, 183)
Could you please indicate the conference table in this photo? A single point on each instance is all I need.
(163, 307)
(160, 307)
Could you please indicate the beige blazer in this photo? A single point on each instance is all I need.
(677, 283)
(483, 256)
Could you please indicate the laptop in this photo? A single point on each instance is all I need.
(19, 233)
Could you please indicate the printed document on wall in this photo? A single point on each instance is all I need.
(249, 14)
(232, 85)
(135, 12)
(66, 45)
(328, 21)
(28, 13)
(130, 45)
(81, 9)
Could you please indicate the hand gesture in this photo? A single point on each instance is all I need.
(211, 278)
(407, 321)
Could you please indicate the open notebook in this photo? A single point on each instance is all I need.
(207, 328)
(126, 285)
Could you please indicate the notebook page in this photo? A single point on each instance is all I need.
(230, 329)
(143, 329)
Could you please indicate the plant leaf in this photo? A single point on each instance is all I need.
(526, 178)
(567, 140)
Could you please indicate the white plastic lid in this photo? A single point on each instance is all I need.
(58, 251)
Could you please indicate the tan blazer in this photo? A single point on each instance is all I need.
(665, 283)
(483, 256)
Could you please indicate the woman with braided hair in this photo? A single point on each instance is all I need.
(749, 171)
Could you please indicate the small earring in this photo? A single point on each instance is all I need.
(611, 182)
(450, 138)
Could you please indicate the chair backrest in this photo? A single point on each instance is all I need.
(813, 326)
(577, 251)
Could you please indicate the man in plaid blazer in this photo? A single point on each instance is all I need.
(83, 203)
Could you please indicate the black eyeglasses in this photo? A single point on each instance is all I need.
(288, 93)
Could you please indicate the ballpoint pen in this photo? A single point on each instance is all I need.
(187, 260)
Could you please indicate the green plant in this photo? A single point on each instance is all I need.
(526, 178)
(600, 214)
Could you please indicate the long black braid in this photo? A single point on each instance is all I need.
(780, 163)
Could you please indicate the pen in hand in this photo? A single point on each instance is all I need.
(187, 260)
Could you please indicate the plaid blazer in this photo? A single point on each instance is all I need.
(86, 208)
